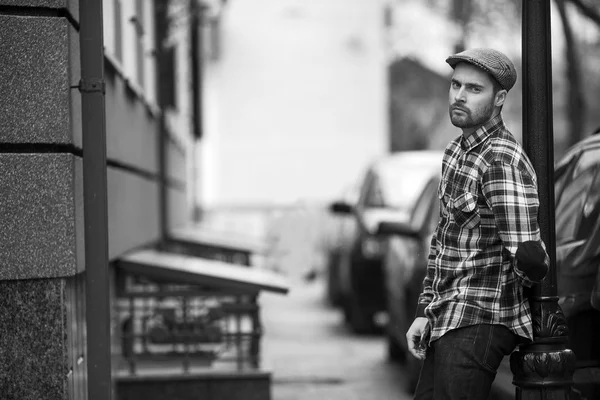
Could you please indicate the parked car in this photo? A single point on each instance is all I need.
(577, 199)
(405, 264)
(577, 218)
(386, 192)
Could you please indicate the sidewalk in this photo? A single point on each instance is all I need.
(313, 356)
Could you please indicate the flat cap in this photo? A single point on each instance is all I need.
(492, 61)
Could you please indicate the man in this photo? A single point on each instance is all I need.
(486, 248)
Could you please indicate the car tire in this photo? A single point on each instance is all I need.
(360, 320)
(334, 296)
(395, 352)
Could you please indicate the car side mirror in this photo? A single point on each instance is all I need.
(398, 228)
(340, 207)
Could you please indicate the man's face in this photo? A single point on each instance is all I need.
(472, 98)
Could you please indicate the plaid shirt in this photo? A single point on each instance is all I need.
(488, 206)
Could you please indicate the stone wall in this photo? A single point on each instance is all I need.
(42, 309)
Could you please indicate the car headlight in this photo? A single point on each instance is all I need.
(372, 247)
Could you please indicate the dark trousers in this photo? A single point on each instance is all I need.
(462, 364)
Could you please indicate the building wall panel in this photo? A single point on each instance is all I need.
(178, 212)
(71, 5)
(41, 234)
(133, 211)
(32, 338)
(131, 130)
(176, 162)
(36, 78)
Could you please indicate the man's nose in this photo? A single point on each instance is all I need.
(460, 95)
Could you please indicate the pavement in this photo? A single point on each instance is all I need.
(313, 356)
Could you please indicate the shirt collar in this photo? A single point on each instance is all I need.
(483, 132)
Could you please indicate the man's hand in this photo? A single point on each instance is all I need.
(416, 332)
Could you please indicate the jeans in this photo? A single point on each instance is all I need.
(462, 364)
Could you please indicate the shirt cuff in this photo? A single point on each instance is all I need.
(420, 310)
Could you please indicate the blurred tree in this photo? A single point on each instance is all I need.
(576, 81)
(472, 14)
(576, 105)
(590, 9)
(481, 17)
(418, 107)
(462, 11)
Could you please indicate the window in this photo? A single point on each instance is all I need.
(140, 48)
(167, 78)
(375, 196)
(425, 213)
(402, 184)
(112, 29)
(370, 193)
(149, 54)
(130, 43)
(118, 38)
(137, 21)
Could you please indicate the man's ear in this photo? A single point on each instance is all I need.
(500, 97)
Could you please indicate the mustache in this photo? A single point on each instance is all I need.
(457, 107)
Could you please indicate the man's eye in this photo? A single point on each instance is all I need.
(455, 85)
(476, 90)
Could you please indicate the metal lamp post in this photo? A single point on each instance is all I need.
(543, 369)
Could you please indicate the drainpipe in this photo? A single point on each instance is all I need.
(97, 281)
(197, 64)
(543, 369)
(196, 27)
(161, 31)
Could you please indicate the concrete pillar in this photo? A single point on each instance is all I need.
(42, 295)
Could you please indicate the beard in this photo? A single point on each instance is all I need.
(466, 118)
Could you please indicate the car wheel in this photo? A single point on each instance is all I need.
(334, 297)
(359, 319)
(395, 352)
(346, 311)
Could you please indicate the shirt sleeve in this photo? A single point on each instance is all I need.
(426, 295)
(512, 196)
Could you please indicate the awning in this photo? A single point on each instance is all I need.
(188, 269)
(220, 239)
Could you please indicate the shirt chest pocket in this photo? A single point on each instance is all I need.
(465, 210)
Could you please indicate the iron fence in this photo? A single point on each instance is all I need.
(166, 327)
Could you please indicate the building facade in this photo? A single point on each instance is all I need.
(151, 130)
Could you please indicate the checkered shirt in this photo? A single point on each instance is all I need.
(488, 206)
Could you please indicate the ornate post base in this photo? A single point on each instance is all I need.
(543, 374)
(543, 370)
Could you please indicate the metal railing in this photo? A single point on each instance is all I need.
(168, 328)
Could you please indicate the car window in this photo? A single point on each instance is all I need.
(400, 188)
(434, 215)
(589, 159)
(591, 208)
(365, 187)
(351, 194)
(561, 176)
(421, 216)
(374, 195)
(576, 198)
